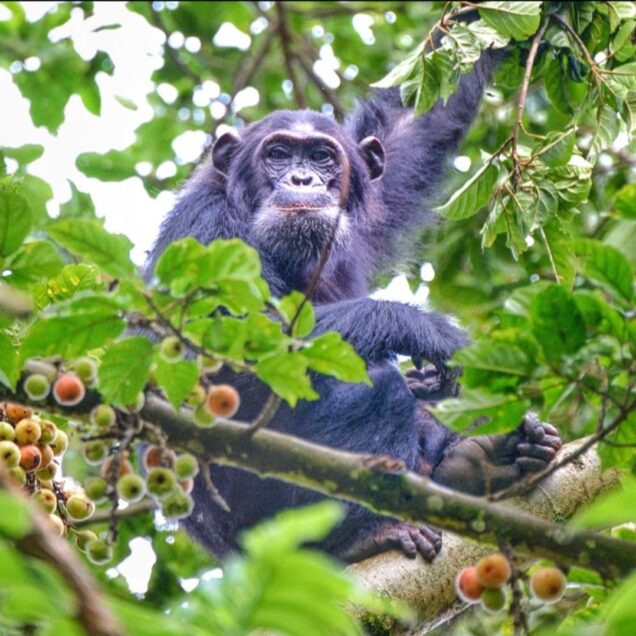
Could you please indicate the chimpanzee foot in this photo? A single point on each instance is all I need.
(396, 535)
(488, 463)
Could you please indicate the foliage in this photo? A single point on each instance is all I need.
(537, 256)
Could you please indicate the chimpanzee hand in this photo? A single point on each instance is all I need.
(489, 463)
(396, 535)
(429, 384)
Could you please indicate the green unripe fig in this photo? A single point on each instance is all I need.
(79, 507)
(27, 431)
(85, 369)
(95, 452)
(49, 431)
(60, 443)
(171, 349)
(7, 432)
(493, 600)
(161, 481)
(186, 466)
(131, 487)
(37, 387)
(98, 551)
(202, 417)
(9, 454)
(18, 475)
(46, 499)
(177, 505)
(96, 489)
(103, 416)
(84, 537)
(57, 525)
(47, 473)
(196, 397)
(209, 365)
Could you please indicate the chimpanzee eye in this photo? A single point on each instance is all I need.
(320, 155)
(278, 153)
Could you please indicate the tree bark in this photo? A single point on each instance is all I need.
(428, 588)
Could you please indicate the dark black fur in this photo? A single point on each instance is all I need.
(383, 419)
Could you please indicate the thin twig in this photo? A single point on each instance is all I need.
(288, 55)
(216, 496)
(266, 415)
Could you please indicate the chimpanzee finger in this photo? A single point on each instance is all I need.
(418, 361)
(405, 543)
(424, 547)
(432, 535)
(532, 427)
(550, 430)
(531, 464)
(546, 453)
(554, 441)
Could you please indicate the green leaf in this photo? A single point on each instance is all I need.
(88, 239)
(610, 509)
(9, 368)
(402, 71)
(111, 166)
(176, 379)
(15, 520)
(501, 412)
(15, 221)
(123, 372)
(472, 195)
(607, 265)
(622, 80)
(557, 148)
(331, 355)
(557, 323)
(72, 279)
(559, 248)
(71, 336)
(493, 357)
(286, 375)
(306, 320)
(606, 130)
(24, 154)
(625, 201)
(517, 20)
(33, 262)
(79, 206)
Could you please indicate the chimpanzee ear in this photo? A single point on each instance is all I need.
(224, 149)
(373, 153)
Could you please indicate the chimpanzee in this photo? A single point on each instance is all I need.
(298, 186)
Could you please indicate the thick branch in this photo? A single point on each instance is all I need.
(42, 543)
(407, 496)
(428, 588)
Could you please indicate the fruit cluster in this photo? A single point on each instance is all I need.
(485, 583)
(30, 451)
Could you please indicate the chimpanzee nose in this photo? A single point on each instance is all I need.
(301, 179)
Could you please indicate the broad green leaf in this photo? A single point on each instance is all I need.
(176, 379)
(306, 320)
(557, 323)
(123, 372)
(610, 509)
(559, 248)
(495, 357)
(607, 128)
(517, 20)
(71, 336)
(500, 412)
(72, 279)
(331, 355)
(15, 520)
(286, 375)
(599, 315)
(618, 615)
(9, 368)
(24, 154)
(79, 206)
(622, 80)
(557, 148)
(15, 221)
(33, 262)
(472, 195)
(625, 201)
(402, 71)
(111, 166)
(607, 265)
(88, 239)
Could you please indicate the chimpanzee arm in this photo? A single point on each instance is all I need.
(380, 329)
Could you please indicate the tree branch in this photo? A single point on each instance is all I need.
(41, 542)
(408, 496)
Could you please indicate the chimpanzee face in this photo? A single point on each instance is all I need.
(303, 177)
